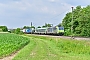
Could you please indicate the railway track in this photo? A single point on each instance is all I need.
(66, 37)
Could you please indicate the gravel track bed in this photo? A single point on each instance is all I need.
(66, 37)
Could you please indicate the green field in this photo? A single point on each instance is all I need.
(47, 48)
(10, 43)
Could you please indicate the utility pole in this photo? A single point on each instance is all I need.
(31, 27)
(72, 23)
(31, 24)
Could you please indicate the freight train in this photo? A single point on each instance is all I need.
(46, 30)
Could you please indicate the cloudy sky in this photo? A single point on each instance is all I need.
(17, 13)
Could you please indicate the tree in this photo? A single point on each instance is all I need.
(47, 25)
(81, 21)
(12, 30)
(59, 25)
(38, 27)
(17, 31)
(32, 27)
(67, 23)
(26, 27)
(4, 28)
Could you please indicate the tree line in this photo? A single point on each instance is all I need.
(80, 24)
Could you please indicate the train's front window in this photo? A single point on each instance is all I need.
(61, 28)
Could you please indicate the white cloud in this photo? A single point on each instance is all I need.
(31, 10)
(52, 0)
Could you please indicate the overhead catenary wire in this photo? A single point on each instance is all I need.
(60, 13)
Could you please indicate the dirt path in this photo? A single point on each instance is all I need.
(43, 50)
(10, 57)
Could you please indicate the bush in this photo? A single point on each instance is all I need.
(21, 32)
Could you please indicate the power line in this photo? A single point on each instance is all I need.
(60, 14)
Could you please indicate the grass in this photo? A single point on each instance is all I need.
(47, 48)
(10, 43)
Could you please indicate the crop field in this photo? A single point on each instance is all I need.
(10, 43)
(49, 48)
